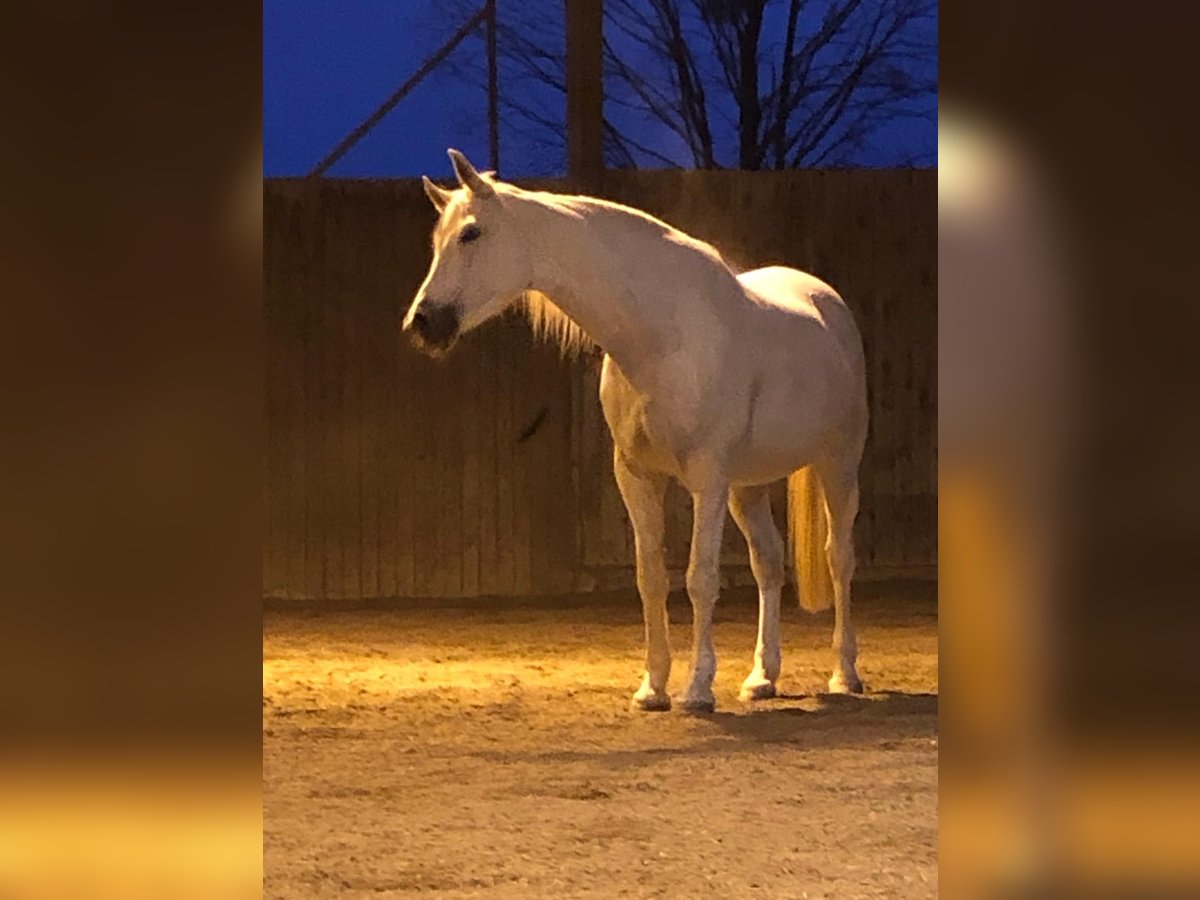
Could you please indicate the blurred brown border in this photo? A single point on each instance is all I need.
(131, 260)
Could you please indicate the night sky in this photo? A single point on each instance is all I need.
(327, 66)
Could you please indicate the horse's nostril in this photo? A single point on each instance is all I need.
(419, 321)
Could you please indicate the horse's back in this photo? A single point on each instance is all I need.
(787, 288)
(793, 293)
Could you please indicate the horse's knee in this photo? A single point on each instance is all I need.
(703, 585)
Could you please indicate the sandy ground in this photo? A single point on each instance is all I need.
(479, 749)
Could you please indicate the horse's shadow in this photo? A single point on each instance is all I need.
(836, 719)
(882, 720)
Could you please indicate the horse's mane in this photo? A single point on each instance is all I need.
(552, 324)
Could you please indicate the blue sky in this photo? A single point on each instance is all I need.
(327, 65)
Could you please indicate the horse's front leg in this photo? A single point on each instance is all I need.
(703, 585)
(644, 494)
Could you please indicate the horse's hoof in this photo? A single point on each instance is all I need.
(842, 684)
(697, 705)
(651, 701)
(757, 688)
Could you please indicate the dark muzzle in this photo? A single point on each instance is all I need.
(435, 328)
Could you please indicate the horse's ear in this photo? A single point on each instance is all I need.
(439, 197)
(468, 177)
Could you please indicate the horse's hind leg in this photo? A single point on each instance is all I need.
(643, 495)
(840, 482)
(751, 509)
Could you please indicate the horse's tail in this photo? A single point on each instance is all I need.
(808, 534)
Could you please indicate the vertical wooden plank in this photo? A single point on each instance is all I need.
(421, 432)
(452, 417)
(924, 313)
(902, 356)
(436, 512)
(867, 302)
(335, 378)
(927, 287)
(408, 472)
(866, 297)
(300, 275)
(484, 350)
(505, 460)
(406, 447)
(274, 562)
(375, 343)
(468, 500)
(349, 516)
(315, 347)
(903, 209)
(328, 408)
(562, 544)
(536, 474)
(889, 330)
(385, 464)
(580, 577)
(586, 453)
(274, 406)
(416, 452)
(357, 313)
(525, 399)
(891, 257)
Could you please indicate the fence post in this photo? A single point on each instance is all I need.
(493, 89)
(585, 91)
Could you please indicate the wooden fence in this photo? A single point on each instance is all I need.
(489, 472)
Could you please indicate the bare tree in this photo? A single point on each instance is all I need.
(752, 84)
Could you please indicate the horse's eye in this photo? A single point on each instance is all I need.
(468, 234)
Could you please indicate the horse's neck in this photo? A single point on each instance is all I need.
(600, 265)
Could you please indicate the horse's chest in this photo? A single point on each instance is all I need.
(656, 432)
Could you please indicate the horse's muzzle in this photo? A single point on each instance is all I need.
(434, 328)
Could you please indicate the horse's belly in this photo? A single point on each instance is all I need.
(783, 436)
(763, 464)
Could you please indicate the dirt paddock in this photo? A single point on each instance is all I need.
(476, 748)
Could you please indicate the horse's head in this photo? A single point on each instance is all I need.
(479, 265)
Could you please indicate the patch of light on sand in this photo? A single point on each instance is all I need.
(385, 676)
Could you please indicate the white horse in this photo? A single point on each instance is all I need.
(724, 382)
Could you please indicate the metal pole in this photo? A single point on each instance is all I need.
(426, 67)
(493, 88)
